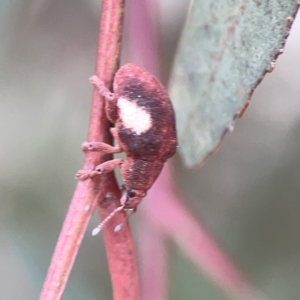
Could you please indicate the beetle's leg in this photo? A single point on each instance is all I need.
(103, 90)
(113, 131)
(103, 168)
(110, 98)
(100, 147)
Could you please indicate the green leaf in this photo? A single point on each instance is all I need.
(225, 50)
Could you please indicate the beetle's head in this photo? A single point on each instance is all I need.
(131, 198)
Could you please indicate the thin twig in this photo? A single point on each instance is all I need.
(104, 190)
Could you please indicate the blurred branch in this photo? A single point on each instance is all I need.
(194, 239)
(172, 218)
(143, 35)
(154, 276)
(143, 42)
(104, 190)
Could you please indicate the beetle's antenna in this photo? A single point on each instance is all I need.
(119, 227)
(101, 225)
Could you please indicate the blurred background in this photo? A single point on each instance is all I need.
(247, 194)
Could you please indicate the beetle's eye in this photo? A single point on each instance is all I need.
(131, 193)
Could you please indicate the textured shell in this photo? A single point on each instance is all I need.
(140, 174)
(140, 87)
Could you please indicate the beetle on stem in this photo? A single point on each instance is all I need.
(144, 129)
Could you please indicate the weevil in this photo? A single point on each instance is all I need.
(145, 130)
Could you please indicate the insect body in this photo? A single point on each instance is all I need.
(144, 129)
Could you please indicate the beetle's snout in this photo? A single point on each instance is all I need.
(131, 198)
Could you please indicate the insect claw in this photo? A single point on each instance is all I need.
(86, 146)
(85, 174)
(95, 80)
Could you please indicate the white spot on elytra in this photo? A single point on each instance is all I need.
(87, 208)
(133, 116)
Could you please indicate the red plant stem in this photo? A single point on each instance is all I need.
(103, 190)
